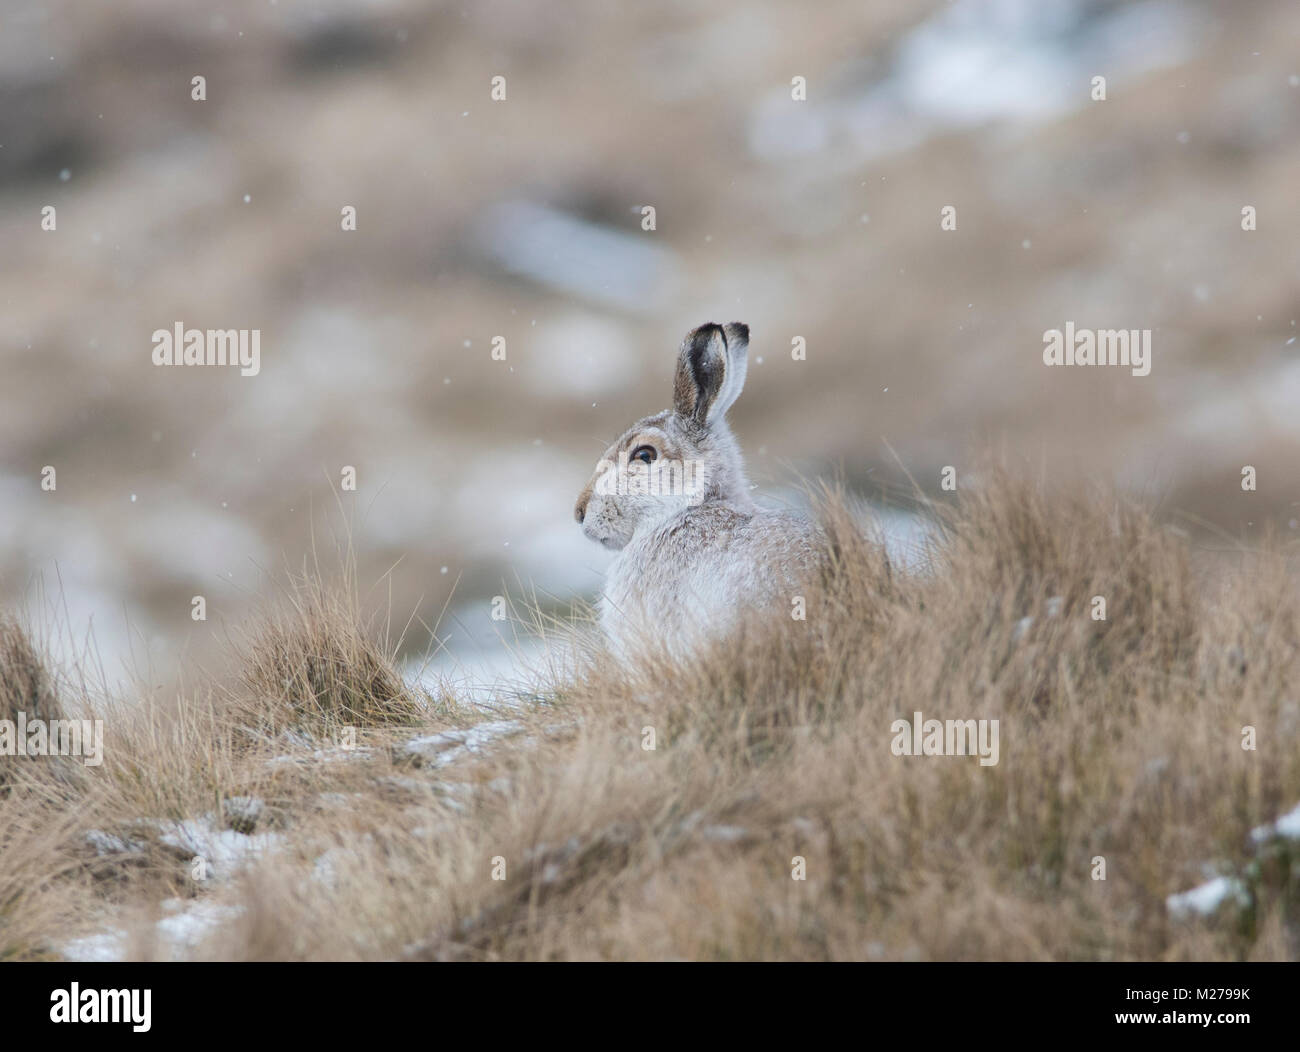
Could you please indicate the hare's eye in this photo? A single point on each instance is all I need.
(645, 454)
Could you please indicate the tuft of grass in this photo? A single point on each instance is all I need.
(315, 666)
(29, 686)
(26, 684)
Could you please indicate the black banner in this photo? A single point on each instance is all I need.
(170, 1001)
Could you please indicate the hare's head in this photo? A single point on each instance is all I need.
(678, 458)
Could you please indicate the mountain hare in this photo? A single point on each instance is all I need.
(671, 497)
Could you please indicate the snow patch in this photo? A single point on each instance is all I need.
(438, 750)
(1205, 899)
(224, 850)
(1287, 827)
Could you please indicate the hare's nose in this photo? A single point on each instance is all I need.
(580, 512)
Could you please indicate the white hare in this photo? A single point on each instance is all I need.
(694, 551)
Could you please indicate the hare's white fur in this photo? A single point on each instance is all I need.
(690, 564)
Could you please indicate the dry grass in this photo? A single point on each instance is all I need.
(1118, 738)
(316, 665)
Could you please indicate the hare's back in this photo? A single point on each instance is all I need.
(691, 579)
(734, 557)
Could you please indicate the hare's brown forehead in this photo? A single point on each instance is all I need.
(647, 434)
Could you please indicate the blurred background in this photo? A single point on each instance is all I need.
(522, 219)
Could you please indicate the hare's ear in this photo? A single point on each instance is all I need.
(710, 371)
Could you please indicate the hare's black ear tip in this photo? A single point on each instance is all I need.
(737, 331)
